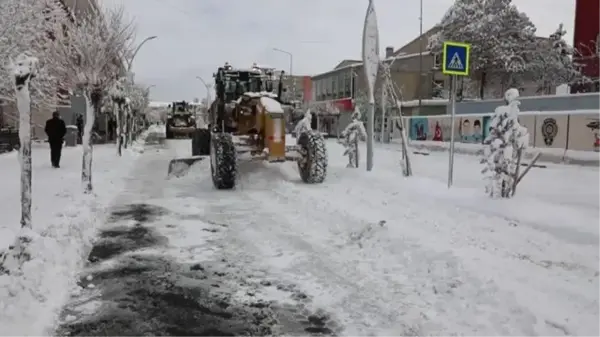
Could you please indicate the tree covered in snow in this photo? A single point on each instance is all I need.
(139, 100)
(90, 59)
(29, 26)
(119, 100)
(24, 69)
(498, 33)
(350, 137)
(554, 63)
(504, 145)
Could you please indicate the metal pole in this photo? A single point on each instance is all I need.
(453, 81)
(383, 107)
(207, 93)
(420, 56)
(370, 131)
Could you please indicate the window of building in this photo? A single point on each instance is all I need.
(333, 86)
(437, 89)
(437, 60)
(347, 80)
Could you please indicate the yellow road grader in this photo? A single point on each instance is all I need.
(247, 122)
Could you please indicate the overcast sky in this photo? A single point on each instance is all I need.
(197, 36)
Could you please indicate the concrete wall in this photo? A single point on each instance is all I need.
(574, 130)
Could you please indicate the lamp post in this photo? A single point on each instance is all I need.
(207, 93)
(290, 55)
(130, 63)
(291, 68)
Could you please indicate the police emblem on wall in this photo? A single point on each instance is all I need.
(549, 130)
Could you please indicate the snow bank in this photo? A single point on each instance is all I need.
(64, 223)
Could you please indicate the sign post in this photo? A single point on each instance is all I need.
(370, 56)
(455, 63)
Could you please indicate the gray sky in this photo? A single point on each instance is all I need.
(197, 36)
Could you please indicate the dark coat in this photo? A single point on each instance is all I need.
(55, 129)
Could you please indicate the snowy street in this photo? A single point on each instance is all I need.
(361, 254)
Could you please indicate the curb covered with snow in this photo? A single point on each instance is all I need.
(558, 156)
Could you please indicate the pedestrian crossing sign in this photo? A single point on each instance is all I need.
(456, 58)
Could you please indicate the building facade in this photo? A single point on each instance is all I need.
(297, 88)
(586, 40)
(416, 73)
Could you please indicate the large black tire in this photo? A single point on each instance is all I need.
(201, 142)
(223, 161)
(313, 164)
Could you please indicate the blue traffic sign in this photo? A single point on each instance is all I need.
(456, 58)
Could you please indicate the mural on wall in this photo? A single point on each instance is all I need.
(594, 126)
(419, 128)
(549, 130)
(470, 130)
(440, 129)
(438, 133)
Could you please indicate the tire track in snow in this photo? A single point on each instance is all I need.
(510, 309)
(392, 298)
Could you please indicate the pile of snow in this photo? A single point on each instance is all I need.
(64, 223)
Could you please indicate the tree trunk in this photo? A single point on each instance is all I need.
(24, 108)
(125, 127)
(482, 84)
(92, 100)
(117, 113)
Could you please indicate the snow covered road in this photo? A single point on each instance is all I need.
(362, 254)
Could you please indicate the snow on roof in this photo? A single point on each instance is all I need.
(271, 105)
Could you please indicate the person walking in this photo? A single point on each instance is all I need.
(56, 130)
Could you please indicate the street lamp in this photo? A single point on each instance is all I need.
(207, 92)
(290, 55)
(291, 67)
(138, 49)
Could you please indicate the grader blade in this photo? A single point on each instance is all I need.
(179, 167)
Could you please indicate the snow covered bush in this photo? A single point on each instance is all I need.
(504, 145)
(304, 124)
(350, 137)
(89, 56)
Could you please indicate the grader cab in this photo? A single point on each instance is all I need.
(247, 118)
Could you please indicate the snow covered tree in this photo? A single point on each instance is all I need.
(554, 64)
(90, 58)
(350, 137)
(119, 99)
(139, 102)
(498, 34)
(504, 145)
(24, 68)
(29, 26)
